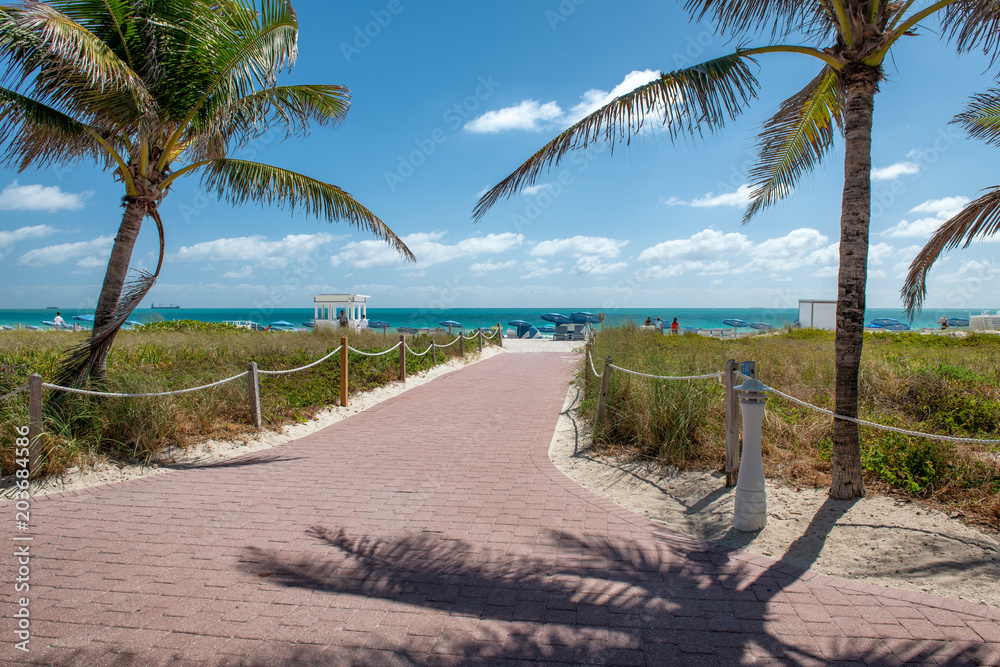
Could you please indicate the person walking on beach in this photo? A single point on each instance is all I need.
(943, 322)
(343, 318)
(675, 327)
(59, 321)
(659, 323)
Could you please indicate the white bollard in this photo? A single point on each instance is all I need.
(750, 508)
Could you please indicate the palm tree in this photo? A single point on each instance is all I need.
(155, 90)
(849, 40)
(979, 219)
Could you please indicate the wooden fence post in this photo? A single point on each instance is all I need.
(34, 422)
(434, 353)
(402, 358)
(461, 344)
(480, 340)
(253, 389)
(499, 335)
(343, 371)
(732, 424)
(602, 398)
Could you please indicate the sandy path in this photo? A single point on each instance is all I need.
(876, 539)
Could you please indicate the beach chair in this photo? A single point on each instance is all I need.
(562, 332)
(579, 332)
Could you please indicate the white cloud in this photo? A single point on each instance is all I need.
(8, 239)
(59, 254)
(894, 171)
(245, 272)
(532, 115)
(535, 189)
(739, 198)
(16, 197)
(706, 244)
(427, 248)
(256, 249)
(482, 268)
(92, 262)
(580, 246)
(674, 201)
(942, 210)
(946, 206)
(528, 115)
(970, 271)
(539, 268)
(594, 266)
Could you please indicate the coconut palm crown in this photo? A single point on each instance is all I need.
(849, 40)
(979, 219)
(155, 90)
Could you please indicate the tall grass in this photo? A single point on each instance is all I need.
(79, 430)
(929, 384)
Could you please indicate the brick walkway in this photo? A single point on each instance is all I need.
(432, 529)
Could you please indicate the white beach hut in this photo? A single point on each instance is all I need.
(328, 307)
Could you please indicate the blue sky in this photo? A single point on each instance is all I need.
(448, 98)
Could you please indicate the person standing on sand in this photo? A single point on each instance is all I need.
(943, 322)
(675, 327)
(363, 324)
(659, 323)
(59, 321)
(343, 318)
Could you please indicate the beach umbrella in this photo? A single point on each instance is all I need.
(957, 322)
(4, 327)
(735, 323)
(557, 318)
(548, 329)
(282, 323)
(760, 326)
(883, 322)
(450, 324)
(585, 318)
(522, 326)
(898, 326)
(84, 318)
(310, 324)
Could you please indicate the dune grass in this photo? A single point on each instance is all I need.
(79, 430)
(934, 384)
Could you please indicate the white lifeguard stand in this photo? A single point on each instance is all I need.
(328, 307)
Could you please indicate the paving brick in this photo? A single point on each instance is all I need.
(433, 529)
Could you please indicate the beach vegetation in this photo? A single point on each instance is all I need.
(156, 91)
(925, 383)
(848, 41)
(171, 356)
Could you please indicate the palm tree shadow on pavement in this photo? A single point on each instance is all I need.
(575, 599)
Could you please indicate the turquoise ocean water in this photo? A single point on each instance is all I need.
(704, 318)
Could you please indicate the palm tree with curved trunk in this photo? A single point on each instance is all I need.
(156, 90)
(849, 40)
(979, 219)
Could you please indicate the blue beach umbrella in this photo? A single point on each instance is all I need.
(450, 324)
(735, 323)
(522, 326)
(881, 322)
(548, 329)
(898, 326)
(584, 317)
(557, 318)
(310, 324)
(84, 318)
(957, 322)
(281, 323)
(760, 326)
(378, 324)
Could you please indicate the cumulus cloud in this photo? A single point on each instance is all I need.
(894, 171)
(535, 189)
(17, 197)
(245, 272)
(539, 268)
(532, 115)
(706, 244)
(427, 248)
(8, 239)
(942, 210)
(482, 268)
(99, 248)
(594, 266)
(737, 199)
(256, 249)
(579, 246)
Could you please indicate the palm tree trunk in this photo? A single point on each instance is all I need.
(114, 280)
(861, 84)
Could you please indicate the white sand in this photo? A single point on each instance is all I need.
(876, 539)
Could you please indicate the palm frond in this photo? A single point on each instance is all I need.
(815, 19)
(35, 134)
(688, 101)
(979, 219)
(289, 107)
(795, 139)
(973, 24)
(981, 118)
(240, 181)
(41, 40)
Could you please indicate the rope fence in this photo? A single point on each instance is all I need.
(729, 382)
(35, 384)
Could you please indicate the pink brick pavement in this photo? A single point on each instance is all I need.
(432, 529)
